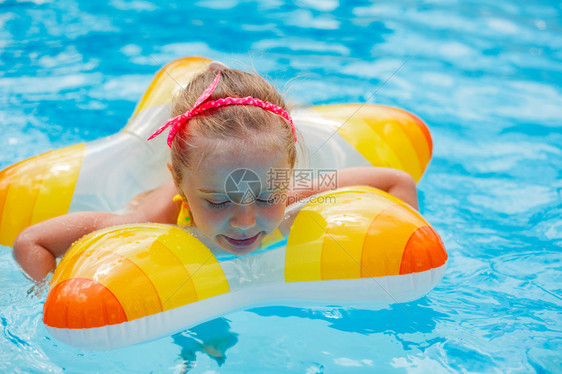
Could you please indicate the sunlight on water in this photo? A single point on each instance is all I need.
(486, 78)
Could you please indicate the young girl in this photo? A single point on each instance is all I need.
(226, 121)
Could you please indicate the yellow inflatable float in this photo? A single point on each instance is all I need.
(123, 285)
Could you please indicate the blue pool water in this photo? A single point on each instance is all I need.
(486, 77)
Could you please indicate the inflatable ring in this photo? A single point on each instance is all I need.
(123, 285)
(354, 247)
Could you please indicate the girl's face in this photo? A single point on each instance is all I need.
(226, 203)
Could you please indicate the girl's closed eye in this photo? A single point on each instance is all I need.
(267, 201)
(270, 198)
(215, 205)
(263, 201)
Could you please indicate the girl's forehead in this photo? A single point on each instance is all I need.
(226, 160)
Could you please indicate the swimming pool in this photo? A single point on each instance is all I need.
(485, 77)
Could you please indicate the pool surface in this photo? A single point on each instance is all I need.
(484, 75)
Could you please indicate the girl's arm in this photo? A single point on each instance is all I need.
(394, 181)
(37, 247)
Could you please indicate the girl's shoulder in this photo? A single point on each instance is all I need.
(158, 205)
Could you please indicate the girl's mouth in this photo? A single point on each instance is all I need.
(242, 243)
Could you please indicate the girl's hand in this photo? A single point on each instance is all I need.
(37, 247)
(394, 181)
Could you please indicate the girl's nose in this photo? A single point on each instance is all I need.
(244, 217)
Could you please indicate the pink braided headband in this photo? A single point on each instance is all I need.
(201, 106)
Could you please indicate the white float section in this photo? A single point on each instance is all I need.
(148, 120)
(118, 167)
(366, 293)
(325, 148)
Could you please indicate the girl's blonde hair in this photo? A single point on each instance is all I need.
(230, 124)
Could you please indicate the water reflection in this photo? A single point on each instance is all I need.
(414, 317)
(213, 338)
